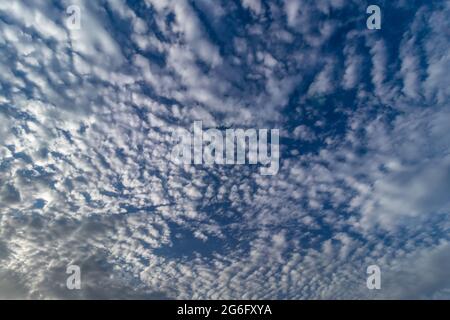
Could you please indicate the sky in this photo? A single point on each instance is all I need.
(86, 121)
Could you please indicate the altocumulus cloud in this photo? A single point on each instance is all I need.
(86, 118)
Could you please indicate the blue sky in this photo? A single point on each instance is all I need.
(86, 118)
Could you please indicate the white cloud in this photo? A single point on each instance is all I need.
(85, 176)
